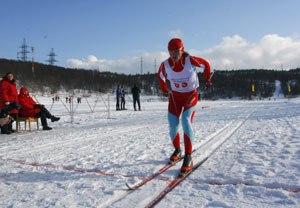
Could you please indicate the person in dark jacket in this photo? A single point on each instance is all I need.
(29, 108)
(9, 100)
(136, 96)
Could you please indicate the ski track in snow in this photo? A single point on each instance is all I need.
(207, 148)
(253, 149)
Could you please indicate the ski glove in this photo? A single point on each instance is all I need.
(166, 94)
(12, 106)
(208, 84)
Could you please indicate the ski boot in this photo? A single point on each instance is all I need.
(187, 165)
(176, 155)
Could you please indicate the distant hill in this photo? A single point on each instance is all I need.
(54, 78)
(226, 84)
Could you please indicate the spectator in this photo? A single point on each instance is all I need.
(123, 102)
(29, 108)
(118, 96)
(9, 100)
(136, 96)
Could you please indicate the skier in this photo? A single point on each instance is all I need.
(29, 108)
(180, 70)
(136, 96)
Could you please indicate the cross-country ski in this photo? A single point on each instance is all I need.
(154, 175)
(174, 184)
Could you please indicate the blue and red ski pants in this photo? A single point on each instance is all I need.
(182, 104)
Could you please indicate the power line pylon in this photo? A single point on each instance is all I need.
(52, 59)
(24, 51)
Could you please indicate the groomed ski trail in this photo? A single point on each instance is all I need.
(206, 148)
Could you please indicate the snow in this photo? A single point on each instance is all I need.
(253, 151)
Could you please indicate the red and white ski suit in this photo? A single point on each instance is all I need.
(183, 97)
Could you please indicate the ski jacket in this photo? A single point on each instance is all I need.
(118, 92)
(135, 92)
(8, 93)
(28, 108)
(183, 74)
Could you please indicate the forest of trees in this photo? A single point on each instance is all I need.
(238, 83)
(226, 84)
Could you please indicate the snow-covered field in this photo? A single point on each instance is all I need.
(253, 149)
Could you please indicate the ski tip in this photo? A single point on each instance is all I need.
(129, 187)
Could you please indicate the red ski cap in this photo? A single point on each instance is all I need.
(175, 44)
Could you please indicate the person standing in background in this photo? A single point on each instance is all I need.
(136, 97)
(123, 102)
(118, 97)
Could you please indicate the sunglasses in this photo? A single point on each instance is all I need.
(175, 51)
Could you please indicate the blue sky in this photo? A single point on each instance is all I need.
(114, 34)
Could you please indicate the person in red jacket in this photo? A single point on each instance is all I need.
(180, 70)
(29, 108)
(8, 100)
